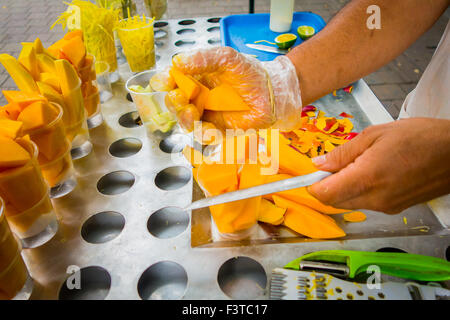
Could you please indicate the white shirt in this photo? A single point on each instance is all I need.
(431, 99)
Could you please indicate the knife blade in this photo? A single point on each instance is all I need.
(268, 188)
(262, 47)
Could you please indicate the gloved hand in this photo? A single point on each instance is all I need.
(270, 89)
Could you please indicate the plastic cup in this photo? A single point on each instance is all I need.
(74, 112)
(93, 108)
(51, 139)
(138, 46)
(103, 82)
(81, 144)
(59, 174)
(15, 281)
(149, 104)
(35, 226)
(27, 205)
(23, 187)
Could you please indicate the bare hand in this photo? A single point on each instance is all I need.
(388, 167)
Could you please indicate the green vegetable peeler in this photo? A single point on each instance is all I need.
(350, 264)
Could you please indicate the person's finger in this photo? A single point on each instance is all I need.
(345, 154)
(206, 60)
(343, 186)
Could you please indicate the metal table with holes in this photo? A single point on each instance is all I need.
(121, 224)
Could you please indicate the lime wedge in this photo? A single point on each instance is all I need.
(306, 32)
(286, 40)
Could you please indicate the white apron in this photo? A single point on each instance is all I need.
(431, 99)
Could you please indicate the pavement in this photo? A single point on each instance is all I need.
(24, 20)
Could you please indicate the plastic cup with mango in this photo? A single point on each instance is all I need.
(306, 32)
(286, 40)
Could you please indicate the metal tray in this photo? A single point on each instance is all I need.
(115, 226)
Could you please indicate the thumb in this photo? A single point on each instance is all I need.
(345, 154)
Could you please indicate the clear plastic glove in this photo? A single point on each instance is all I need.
(270, 89)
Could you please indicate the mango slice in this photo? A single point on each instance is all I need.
(201, 98)
(186, 84)
(307, 221)
(12, 154)
(50, 79)
(45, 63)
(37, 115)
(225, 98)
(50, 93)
(22, 99)
(27, 58)
(18, 73)
(293, 162)
(12, 110)
(354, 216)
(301, 196)
(10, 128)
(74, 50)
(215, 178)
(270, 213)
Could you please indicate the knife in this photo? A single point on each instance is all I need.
(262, 47)
(268, 188)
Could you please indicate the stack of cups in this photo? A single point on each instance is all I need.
(27, 204)
(15, 281)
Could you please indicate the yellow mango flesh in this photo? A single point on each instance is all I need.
(355, 216)
(37, 115)
(215, 178)
(74, 50)
(12, 154)
(186, 84)
(10, 128)
(270, 213)
(293, 162)
(45, 63)
(51, 79)
(192, 155)
(225, 98)
(18, 73)
(307, 221)
(27, 58)
(302, 196)
(22, 99)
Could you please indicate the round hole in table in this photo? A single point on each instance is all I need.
(242, 278)
(103, 227)
(95, 283)
(160, 24)
(213, 20)
(130, 120)
(214, 41)
(186, 31)
(125, 147)
(186, 22)
(173, 178)
(185, 43)
(164, 280)
(168, 222)
(115, 183)
(213, 29)
(174, 143)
